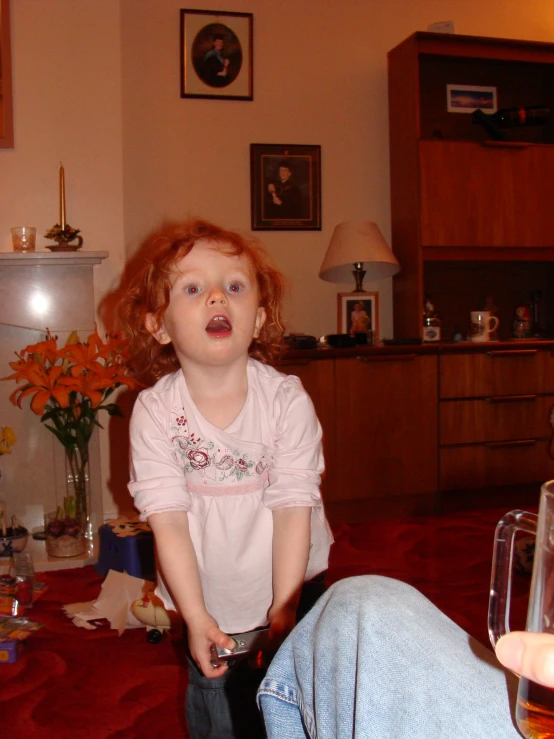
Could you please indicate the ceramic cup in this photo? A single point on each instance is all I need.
(482, 324)
(535, 704)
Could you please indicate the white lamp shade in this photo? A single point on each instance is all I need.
(358, 241)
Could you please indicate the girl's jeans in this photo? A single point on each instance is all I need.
(375, 659)
(225, 707)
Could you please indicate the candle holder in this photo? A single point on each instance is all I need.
(64, 238)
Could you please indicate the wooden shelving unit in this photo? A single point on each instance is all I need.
(470, 217)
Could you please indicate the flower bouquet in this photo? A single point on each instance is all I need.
(68, 387)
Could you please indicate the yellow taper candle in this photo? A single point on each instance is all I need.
(62, 196)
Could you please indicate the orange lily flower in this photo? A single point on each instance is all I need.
(43, 385)
(44, 351)
(88, 384)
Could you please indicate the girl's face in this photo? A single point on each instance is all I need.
(213, 312)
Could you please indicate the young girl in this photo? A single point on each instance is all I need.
(226, 453)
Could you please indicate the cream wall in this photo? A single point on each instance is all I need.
(319, 78)
(97, 86)
(66, 57)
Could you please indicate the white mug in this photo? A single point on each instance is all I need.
(482, 324)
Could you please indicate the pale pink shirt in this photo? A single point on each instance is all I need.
(229, 481)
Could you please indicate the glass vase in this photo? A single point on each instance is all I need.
(78, 485)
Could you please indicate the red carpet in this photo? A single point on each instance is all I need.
(71, 683)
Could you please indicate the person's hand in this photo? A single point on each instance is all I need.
(271, 188)
(282, 620)
(528, 654)
(202, 633)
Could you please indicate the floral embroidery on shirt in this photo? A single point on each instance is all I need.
(202, 457)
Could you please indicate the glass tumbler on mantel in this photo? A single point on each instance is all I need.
(23, 238)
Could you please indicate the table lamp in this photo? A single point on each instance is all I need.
(353, 246)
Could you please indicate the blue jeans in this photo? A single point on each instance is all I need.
(225, 707)
(374, 658)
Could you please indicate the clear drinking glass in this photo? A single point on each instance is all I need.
(24, 572)
(535, 703)
(23, 238)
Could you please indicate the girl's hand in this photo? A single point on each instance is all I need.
(202, 633)
(282, 620)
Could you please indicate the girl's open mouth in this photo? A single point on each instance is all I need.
(219, 326)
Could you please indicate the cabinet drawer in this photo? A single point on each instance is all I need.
(495, 419)
(496, 372)
(486, 465)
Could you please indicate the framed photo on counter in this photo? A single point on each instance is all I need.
(358, 313)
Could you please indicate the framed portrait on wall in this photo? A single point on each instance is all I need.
(358, 313)
(285, 187)
(216, 54)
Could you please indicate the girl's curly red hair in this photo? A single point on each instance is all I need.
(146, 285)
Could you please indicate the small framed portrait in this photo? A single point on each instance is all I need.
(469, 98)
(285, 187)
(358, 313)
(216, 54)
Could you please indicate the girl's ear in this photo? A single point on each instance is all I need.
(157, 331)
(260, 320)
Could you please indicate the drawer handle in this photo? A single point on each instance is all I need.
(512, 353)
(503, 444)
(507, 144)
(389, 358)
(510, 398)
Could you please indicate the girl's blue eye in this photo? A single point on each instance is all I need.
(192, 289)
(234, 287)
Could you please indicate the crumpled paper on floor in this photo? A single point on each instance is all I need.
(119, 591)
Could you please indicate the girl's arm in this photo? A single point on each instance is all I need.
(180, 570)
(291, 549)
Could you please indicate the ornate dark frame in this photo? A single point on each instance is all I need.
(265, 158)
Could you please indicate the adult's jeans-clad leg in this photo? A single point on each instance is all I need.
(375, 659)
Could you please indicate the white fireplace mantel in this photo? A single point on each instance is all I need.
(54, 290)
(55, 259)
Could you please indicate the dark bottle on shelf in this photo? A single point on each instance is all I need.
(510, 118)
(513, 117)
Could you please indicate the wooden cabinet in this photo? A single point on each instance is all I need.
(494, 195)
(386, 426)
(402, 428)
(494, 413)
(380, 429)
(460, 201)
(319, 379)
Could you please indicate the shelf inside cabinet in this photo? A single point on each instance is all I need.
(518, 84)
(460, 287)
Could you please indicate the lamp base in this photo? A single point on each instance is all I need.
(359, 273)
